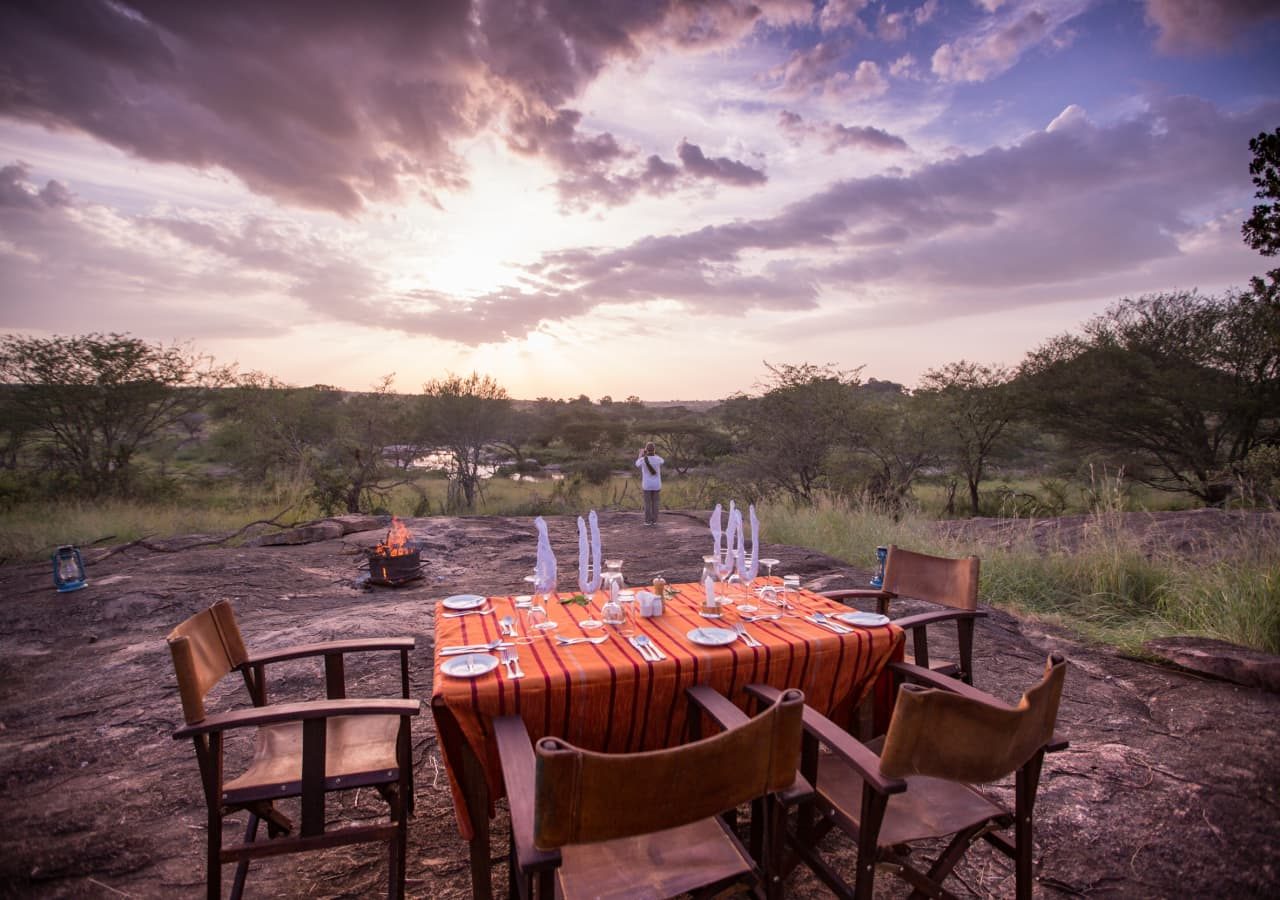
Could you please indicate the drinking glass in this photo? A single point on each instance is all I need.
(724, 568)
(536, 619)
(768, 564)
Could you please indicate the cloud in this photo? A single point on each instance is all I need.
(838, 14)
(718, 169)
(837, 137)
(1195, 26)
(335, 106)
(997, 43)
(1063, 207)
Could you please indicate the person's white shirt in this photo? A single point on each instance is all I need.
(650, 481)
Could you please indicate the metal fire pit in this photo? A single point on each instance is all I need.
(393, 571)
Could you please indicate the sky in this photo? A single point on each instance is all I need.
(652, 198)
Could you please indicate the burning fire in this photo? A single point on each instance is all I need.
(397, 542)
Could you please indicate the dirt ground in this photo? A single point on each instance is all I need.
(1170, 787)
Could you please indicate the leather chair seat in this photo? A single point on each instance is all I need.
(354, 746)
(662, 864)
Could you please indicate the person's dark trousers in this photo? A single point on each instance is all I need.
(651, 507)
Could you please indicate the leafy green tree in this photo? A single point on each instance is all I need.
(1262, 229)
(463, 416)
(1179, 387)
(687, 442)
(896, 437)
(333, 442)
(976, 405)
(784, 436)
(95, 402)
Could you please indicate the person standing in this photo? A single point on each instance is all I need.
(650, 465)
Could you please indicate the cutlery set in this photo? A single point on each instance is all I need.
(824, 621)
(473, 648)
(487, 611)
(746, 637)
(512, 662)
(647, 648)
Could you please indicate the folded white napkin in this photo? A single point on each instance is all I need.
(716, 532)
(747, 568)
(590, 585)
(544, 570)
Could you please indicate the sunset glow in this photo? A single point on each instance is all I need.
(651, 198)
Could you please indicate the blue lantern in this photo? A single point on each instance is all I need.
(877, 580)
(68, 569)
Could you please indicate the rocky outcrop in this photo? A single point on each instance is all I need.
(1220, 659)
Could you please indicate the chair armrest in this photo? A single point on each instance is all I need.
(716, 705)
(1056, 743)
(840, 742)
(297, 712)
(519, 773)
(944, 683)
(858, 594)
(357, 645)
(943, 615)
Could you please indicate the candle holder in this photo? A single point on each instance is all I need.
(877, 580)
(68, 569)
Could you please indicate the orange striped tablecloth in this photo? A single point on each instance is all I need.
(608, 698)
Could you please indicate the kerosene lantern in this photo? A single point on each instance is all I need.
(68, 569)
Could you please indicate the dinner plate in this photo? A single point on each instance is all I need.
(464, 601)
(866, 619)
(470, 665)
(712, 637)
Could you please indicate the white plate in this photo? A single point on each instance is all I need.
(712, 637)
(464, 601)
(864, 619)
(469, 666)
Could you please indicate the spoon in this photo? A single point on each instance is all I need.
(508, 625)
(643, 642)
(488, 610)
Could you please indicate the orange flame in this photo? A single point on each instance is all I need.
(397, 542)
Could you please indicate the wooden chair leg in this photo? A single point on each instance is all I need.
(1025, 786)
(242, 867)
(873, 807)
(965, 627)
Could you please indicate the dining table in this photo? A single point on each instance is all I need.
(619, 695)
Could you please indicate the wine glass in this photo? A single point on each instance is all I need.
(724, 568)
(537, 620)
(584, 586)
(768, 563)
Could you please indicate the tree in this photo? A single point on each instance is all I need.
(785, 435)
(898, 436)
(464, 415)
(687, 442)
(976, 404)
(1179, 386)
(96, 401)
(1262, 229)
(334, 442)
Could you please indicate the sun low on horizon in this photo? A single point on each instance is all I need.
(655, 199)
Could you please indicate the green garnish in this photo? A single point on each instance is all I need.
(580, 599)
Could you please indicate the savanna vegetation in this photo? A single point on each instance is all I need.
(1173, 399)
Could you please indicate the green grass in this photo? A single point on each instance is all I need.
(1107, 589)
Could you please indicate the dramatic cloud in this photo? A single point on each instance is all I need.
(718, 169)
(836, 137)
(999, 42)
(1198, 26)
(1073, 202)
(332, 106)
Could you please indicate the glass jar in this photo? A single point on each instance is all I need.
(611, 580)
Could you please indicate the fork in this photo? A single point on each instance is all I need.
(512, 662)
(827, 622)
(487, 611)
(746, 638)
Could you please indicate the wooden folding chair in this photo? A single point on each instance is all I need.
(644, 825)
(302, 750)
(942, 740)
(952, 583)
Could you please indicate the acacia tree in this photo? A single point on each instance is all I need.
(1179, 386)
(976, 405)
(784, 436)
(462, 416)
(96, 401)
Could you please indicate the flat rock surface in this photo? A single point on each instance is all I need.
(1170, 787)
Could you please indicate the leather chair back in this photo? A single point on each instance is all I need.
(204, 649)
(948, 735)
(582, 796)
(937, 579)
